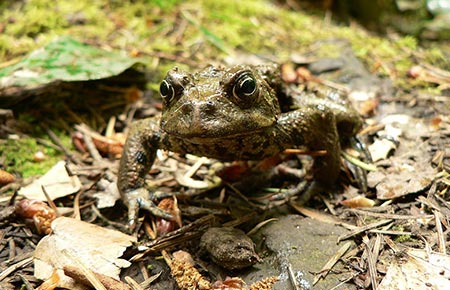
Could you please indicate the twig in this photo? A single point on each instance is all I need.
(294, 281)
(14, 267)
(339, 286)
(12, 249)
(359, 163)
(76, 206)
(143, 269)
(120, 226)
(242, 196)
(393, 233)
(389, 216)
(146, 283)
(440, 234)
(305, 152)
(50, 201)
(363, 229)
(331, 262)
(58, 142)
(110, 127)
(183, 234)
(89, 142)
(133, 284)
(323, 217)
(372, 256)
(193, 169)
(260, 225)
(240, 220)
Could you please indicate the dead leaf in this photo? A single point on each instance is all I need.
(108, 195)
(98, 248)
(381, 148)
(418, 269)
(163, 226)
(402, 178)
(288, 73)
(57, 183)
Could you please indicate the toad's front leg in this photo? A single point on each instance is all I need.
(138, 156)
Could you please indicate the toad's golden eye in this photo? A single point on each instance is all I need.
(167, 91)
(245, 87)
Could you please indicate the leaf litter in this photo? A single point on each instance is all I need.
(396, 176)
(406, 201)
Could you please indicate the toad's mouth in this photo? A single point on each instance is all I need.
(213, 136)
(214, 129)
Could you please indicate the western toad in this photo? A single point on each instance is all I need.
(234, 114)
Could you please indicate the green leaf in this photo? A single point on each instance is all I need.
(64, 59)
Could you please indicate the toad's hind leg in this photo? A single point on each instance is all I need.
(323, 136)
(315, 128)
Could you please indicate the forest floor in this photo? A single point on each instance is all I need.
(61, 138)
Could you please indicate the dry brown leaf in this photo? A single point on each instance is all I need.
(51, 283)
(417, 269)
(288, 73)
(163, 226)
(402, 179)
(84, 241)
(381, 148)
(57, 183)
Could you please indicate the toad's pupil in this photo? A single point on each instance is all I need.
(248, 86)
(164, 89)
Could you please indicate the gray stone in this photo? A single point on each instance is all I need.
(306, 245)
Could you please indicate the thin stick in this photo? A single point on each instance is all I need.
(440, 233)
(14, 267)
(363, 229)
(331, 262)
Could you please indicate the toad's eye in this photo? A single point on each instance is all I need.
(245, 87)
(166, 90)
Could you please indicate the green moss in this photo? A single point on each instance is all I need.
(19, 156)
(213, 30)
(404, 239)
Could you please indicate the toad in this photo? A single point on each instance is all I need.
(231, 114)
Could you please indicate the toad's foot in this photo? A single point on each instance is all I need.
(359, 172)
(141, 198)
(303, 192)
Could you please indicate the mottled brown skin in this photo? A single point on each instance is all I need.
(233, 114)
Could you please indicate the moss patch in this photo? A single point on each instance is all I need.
(202, 31)
(19, 156)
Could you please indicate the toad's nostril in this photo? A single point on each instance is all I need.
(208, 107)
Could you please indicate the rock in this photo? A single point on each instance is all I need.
(306, 245)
